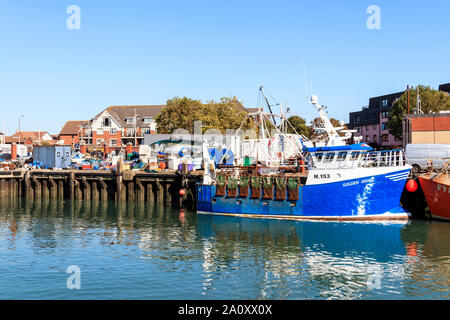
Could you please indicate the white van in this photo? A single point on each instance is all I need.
(418, 155)
(5, 150)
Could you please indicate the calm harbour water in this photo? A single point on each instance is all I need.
(139, 252)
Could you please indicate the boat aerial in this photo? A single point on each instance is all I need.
(329, 181)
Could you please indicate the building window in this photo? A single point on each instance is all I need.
(146, 131)
(99, 141)
(358, 128)
(113, 142)
(367, 138)
(374, 127)
(384, 102)
(385, 138)
(384, 114)
(357, 118)
(130, 132)
(113, 131)
(100, 132)
(130, 120)
(384, 126)
(374, 138)
(106, 122)
(148, 119)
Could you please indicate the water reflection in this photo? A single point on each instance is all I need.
(136, 251)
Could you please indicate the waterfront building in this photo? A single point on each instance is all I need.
(71, 132)
(426, 128)
(29, 138)
(445, 87)
(371, 122)
(116, 126)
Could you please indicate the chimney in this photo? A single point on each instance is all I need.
(14, 151)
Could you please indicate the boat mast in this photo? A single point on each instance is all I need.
(268, 104)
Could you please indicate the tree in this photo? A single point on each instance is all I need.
(181, 113)
(299, 125)
(315, 135)
(228, 113)
(431, 101)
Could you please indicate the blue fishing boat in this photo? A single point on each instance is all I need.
(329, 182)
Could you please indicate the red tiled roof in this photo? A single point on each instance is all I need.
(71, 128)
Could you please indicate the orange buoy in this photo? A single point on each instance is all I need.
(411, 185)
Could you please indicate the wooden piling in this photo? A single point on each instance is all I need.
(140, 191)
(53, 188)
(86, 189)
(103, 190)
(139, 187)
(95, 193)
(150, 195)
(159, 192)
(71, 186)
(61, 189)
(37, 188)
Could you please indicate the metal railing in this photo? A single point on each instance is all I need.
(383, 158)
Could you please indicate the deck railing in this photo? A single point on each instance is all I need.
(383, 158)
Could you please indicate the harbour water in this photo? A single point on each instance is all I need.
(97, 250)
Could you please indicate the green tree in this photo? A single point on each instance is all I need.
(228, 113)
(299, 124)
(431, 101)
(181, 113)
(315, 135)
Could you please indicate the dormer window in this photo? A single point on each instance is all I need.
(130, 120)
(106, 122)
(148, 120)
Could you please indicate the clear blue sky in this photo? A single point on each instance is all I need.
(145, 52)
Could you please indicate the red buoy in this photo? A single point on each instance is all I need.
(182, 192)
(411, 185)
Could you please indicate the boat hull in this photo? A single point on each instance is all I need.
(369, 197)
(437, 195)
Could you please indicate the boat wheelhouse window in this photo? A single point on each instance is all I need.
(342, 156)
(329, 157)
(319, 156)
(355, 155)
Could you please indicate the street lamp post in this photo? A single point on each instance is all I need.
(21, 116)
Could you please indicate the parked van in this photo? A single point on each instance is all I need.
(418, 155)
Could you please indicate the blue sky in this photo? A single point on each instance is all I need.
(145, 52)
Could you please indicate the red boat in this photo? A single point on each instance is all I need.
(436, 188)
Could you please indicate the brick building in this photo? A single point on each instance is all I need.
(371, 122)
(426, 128)
(117, 126)
(29, 138)
(71, 132)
